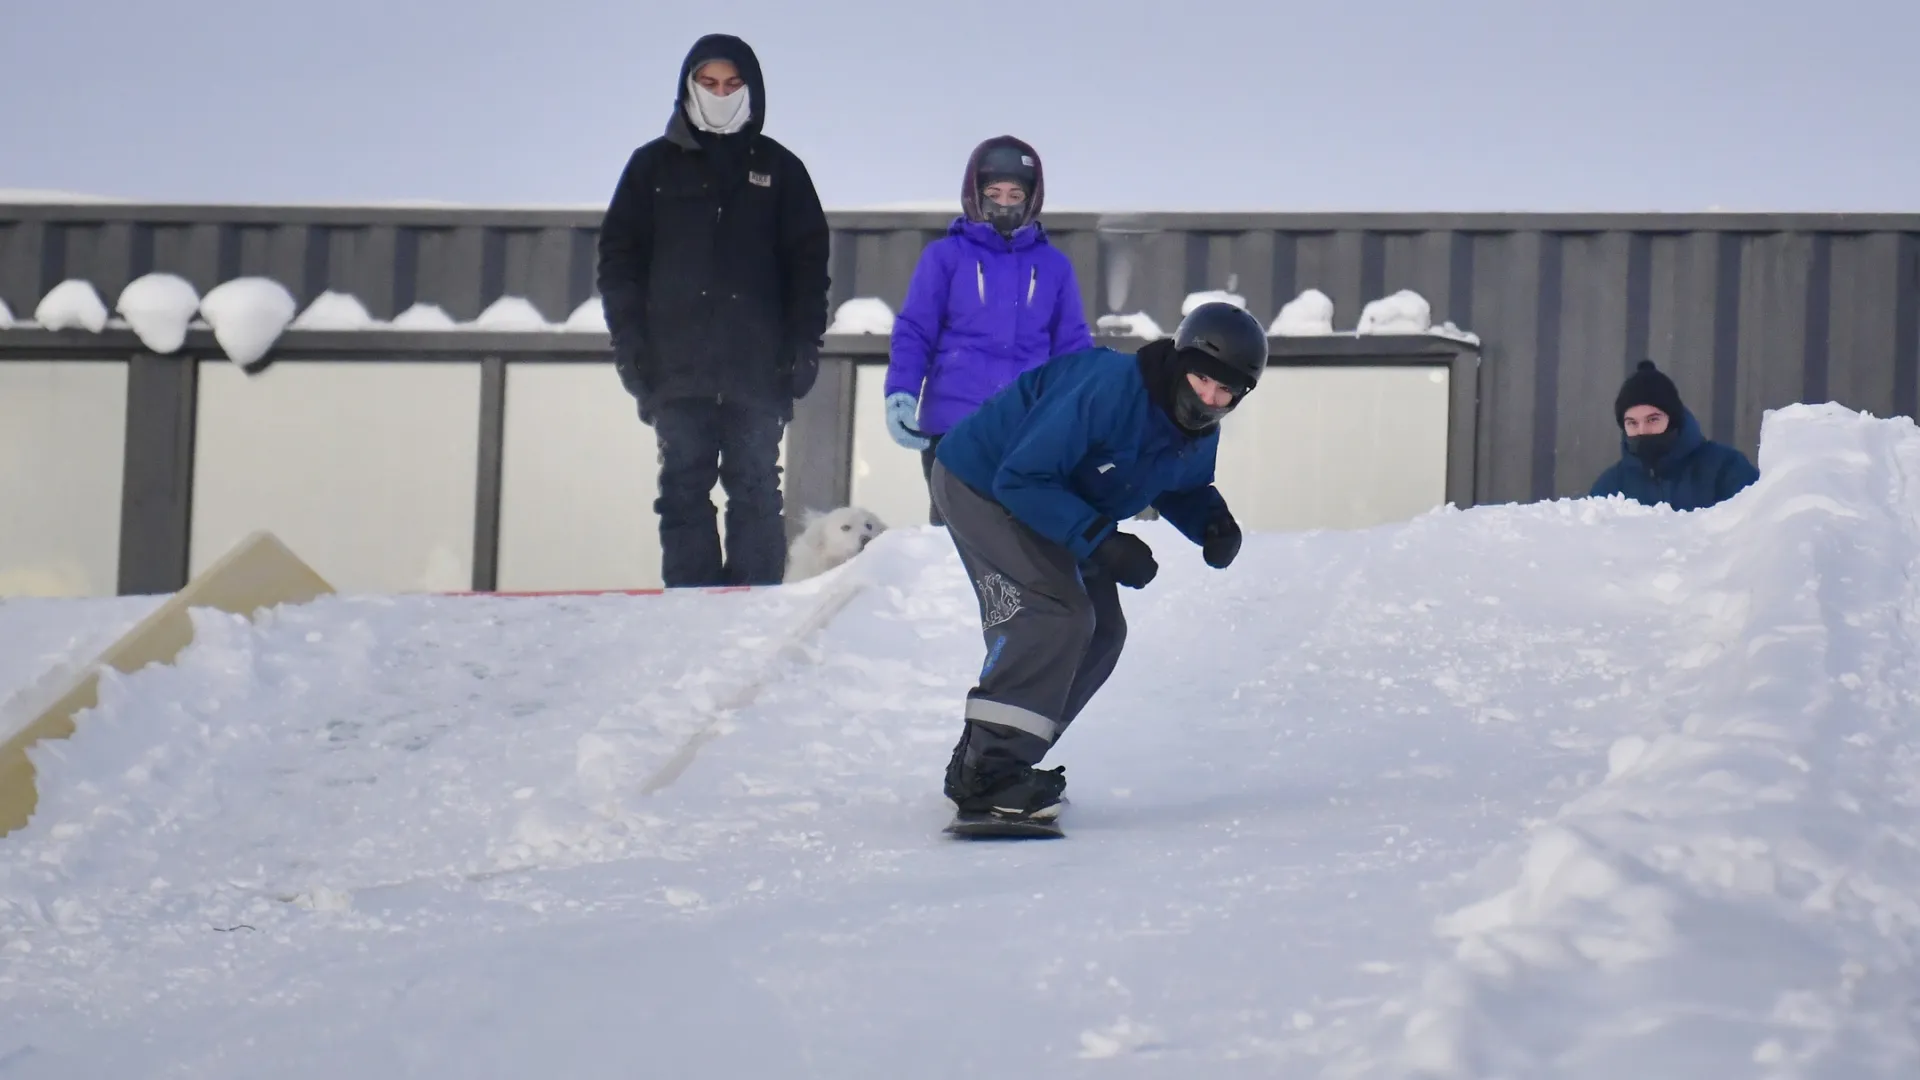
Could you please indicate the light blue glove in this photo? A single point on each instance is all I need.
(900, 416)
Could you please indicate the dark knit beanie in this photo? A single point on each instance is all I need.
(1647, 385)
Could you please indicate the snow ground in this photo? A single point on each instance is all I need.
(1578, 790)
(41, 637)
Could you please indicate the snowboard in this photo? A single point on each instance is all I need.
(980, 826)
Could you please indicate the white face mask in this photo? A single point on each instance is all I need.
(721, 115)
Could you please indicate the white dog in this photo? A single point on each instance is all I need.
(829, 539)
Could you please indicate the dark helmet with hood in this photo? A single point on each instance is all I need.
(1003, 158)
(1222, 342)
(741, 55)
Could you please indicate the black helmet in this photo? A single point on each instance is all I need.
(1003, 158)
(1224, 343)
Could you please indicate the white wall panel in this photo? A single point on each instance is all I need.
(366, 470)
(62, 455)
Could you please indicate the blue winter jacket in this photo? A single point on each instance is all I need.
(1694, 474)
(981, 309)
(1075, 445)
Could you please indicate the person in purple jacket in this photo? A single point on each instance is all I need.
(988, 301)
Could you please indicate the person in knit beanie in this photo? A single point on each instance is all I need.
(1665, 459)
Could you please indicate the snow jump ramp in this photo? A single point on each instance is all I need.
(259, 572)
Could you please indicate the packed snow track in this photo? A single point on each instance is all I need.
(1577, 790)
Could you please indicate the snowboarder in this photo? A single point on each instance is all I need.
(1031, 486)
(713, 273)
(1664, 456)
(987, 301)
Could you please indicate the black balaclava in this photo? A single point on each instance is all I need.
(1649, 385)
(1165, 371)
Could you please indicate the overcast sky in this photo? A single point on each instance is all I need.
(1668, 105)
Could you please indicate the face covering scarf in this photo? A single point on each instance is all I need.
(720, 115)
(1651, 448)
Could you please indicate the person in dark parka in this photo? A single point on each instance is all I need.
(713, 274)
(1664, 456)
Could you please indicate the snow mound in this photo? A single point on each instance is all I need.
(424, 317)
(1574, 789)
(1308, 315)
(590, 317)
(72, 305)
(1210, 296)
(248, 315)
(1448, 330)
(514, 314)
(1741, 890)
(863, 315)
(6, 315)
(334, 311)
(1404, 312)
(159, 308)
(1137, 325)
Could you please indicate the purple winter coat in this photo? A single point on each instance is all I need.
(980, 310)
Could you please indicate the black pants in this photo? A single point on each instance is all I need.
(1053, 634)
(738, 445)
(926, 469)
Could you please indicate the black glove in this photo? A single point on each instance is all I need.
(629, 363)
(1221, 541)
(805, 369)
(636, 375)
(1127, 559)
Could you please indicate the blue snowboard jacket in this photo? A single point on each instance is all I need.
(1075, 445)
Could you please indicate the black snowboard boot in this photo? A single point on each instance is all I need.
(1006, 789)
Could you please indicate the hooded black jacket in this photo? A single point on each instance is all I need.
(713, 255)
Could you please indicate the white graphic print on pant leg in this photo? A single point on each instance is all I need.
(1000, 600)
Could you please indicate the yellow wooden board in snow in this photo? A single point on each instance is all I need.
(260, 572)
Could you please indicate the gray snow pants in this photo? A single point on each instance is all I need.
(1053, 634)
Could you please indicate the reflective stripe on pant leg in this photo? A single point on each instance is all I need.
(1002, 715)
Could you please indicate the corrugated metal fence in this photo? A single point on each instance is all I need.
(1748, 312)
